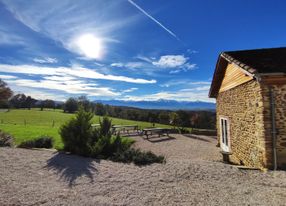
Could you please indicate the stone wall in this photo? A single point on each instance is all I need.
(279, 92)
(244, 106)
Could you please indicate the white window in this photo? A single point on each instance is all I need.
(224, 134)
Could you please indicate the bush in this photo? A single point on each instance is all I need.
(137, 156)
(6, 140)
(80, 138)
(77, 133)
(105, 145)
(184, 130)
(40, 142)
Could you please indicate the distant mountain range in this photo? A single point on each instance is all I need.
(162, 104)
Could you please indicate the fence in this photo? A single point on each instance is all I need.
(51, 123)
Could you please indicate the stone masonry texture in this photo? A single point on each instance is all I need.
(247, 108)
(279, 92)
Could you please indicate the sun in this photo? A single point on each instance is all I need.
(90, 46)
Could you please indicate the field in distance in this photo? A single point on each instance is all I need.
(29, 124)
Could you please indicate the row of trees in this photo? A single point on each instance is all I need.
(22, 101)
(8, 100)
(181, 118)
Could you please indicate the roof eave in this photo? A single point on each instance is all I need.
(213, 88)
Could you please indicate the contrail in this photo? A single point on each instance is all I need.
(152, 18)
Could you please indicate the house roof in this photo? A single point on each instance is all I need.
(257, 61)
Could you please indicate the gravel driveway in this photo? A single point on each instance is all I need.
(192, 175)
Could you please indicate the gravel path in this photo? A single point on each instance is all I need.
(192, 175)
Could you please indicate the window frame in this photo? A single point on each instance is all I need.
(224, 133)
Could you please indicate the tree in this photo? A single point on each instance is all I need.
(5, 94)
(184, 120)
(100, 109)
(29, 102)
(48, 103)
(18, 101)
(84, 103)
(152, 117)
(164, 118)
(5, 91)
(22, 101)
(174, 119)
(77, 133)
(71, 105)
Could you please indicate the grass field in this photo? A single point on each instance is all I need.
(30, 124)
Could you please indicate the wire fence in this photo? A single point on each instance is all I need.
(50, 123)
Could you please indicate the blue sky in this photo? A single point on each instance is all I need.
(128, 49)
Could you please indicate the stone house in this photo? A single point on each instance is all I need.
(250, 91)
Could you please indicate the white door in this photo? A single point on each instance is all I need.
(224, 134)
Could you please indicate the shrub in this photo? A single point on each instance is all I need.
(137, 156)
(80, 138)
(40, 142)
(144, 158)
(77, 133)
(6, 140)
(184, 130)
(102, 143)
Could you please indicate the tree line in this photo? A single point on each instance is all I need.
(179, 118)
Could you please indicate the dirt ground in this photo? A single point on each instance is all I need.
(193, 175)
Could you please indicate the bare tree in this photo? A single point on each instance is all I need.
(5, 91)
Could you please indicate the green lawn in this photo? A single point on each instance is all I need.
(30, 124)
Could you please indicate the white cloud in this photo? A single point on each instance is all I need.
(171, 61)
(44, 60)
(7, 77)
(130, 65)
(146, 59)
(177, 63)
(60, 78)
(201, 88)
(98, 64)
(175, 71)
(200, 83)
(190, 51)
(70, 87)
(117, 64)
(9, 38)
(129, 90)
(67, 71)
(181, 95)
(38, 94)
(189, 66)
(184, 82)
(197, 93)
(185, 67)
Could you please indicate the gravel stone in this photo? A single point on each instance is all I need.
(192, 175)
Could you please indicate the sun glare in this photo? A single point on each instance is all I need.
(90, 46)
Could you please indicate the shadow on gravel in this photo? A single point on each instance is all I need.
(196, 137)
(71, 167)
